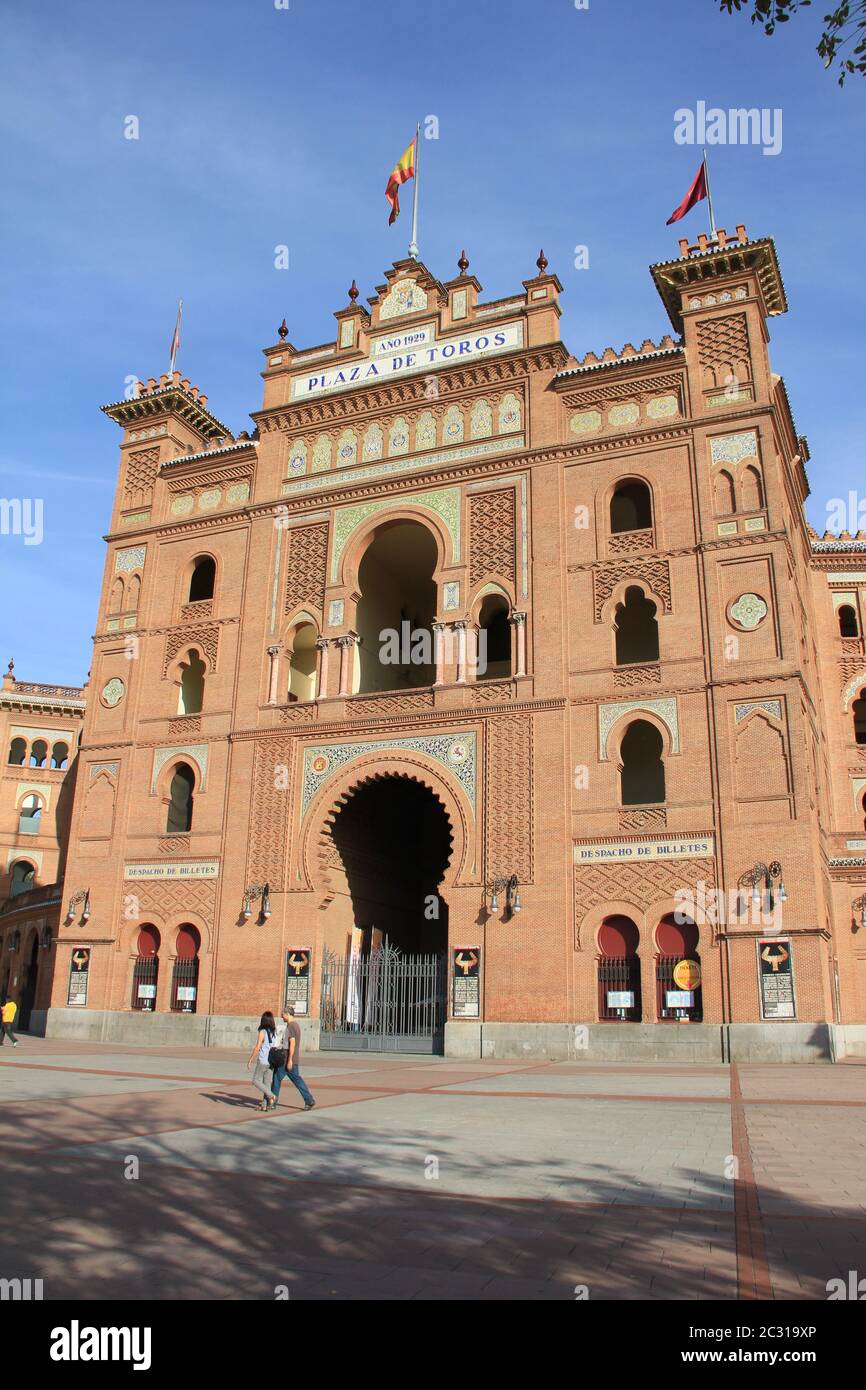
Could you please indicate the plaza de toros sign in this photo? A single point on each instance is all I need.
(424, 356)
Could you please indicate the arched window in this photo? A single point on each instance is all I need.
(631, 507)
(678, 998)
(637, 629)
(202, 580)
(145, 971)
(751, 490)
(60, 755)
(847, 621)
(494, 639)
(723, 492)
(115, 597)
(859, 710)
(643, 771)
(23, 877)
(184, 980)
(39, 753)
(191, 695)
(302, 663)
(619, 997)
(396, 609)
(179, 819)
(30, 815)
(17, 752)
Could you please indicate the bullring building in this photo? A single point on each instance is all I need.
(483, 698)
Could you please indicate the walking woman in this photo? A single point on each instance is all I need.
(259, 1056)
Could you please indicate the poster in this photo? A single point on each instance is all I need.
(776, 977)
(466, 982)
(79, 968)
(298, 960)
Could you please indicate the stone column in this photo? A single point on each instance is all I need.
(461, 626)
(346, 643)
(472, 651)
(439, 652)
(322, 645)
(518, 621)
(274, 675)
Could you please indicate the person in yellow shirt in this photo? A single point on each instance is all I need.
(8, 1010)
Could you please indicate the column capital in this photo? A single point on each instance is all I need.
(348, 639)
(517, 617)
(322, 643)
(275, 650)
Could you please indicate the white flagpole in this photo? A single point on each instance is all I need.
(413, 244)
(176, 331)
(709, 198)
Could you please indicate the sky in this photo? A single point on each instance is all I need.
(263, 124)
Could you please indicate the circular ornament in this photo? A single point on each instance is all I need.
(458, 753)
(113, 692)
(748, 611)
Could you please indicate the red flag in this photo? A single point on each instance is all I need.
(697, 191)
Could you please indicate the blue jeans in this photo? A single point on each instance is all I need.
(296, 1079)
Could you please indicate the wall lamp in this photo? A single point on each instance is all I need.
(858, 909)
(769, 873)
(82, 896)
(510, 887)
(257, 890)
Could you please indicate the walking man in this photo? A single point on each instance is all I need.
(290, 1039)
(8, 1010)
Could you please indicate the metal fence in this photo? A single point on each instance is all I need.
(383, 1002)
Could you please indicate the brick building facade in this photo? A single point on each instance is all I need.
(39, 732)
(467, 617)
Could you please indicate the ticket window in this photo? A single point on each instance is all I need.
(678, 972)
(619, 993)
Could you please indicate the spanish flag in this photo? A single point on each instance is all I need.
(403, 170)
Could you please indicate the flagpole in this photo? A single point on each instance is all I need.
(175, 339)
(413, 244)
(709, 198)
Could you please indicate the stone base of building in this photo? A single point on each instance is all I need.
(143, 1029)
(555, 1042)
(652, 1042)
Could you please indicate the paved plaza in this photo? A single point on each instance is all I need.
(133, 1172)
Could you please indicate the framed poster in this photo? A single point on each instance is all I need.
(79, 970)
(298, 960)
(776, 977)
(466, 982)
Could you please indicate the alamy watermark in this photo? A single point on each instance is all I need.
(740, 125)
(22, 516)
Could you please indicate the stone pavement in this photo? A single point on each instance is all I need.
(133, 1172)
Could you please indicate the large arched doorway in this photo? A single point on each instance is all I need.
(385, 989)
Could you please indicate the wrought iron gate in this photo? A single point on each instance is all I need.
(383, 1002)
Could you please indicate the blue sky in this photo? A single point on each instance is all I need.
(262, 126)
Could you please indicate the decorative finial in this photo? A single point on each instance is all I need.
(11, 667)
(283, 331)
(463, 263)
(353, 291)
(541, 262)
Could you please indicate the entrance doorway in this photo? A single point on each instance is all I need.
(385, 990)
(28, 993)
